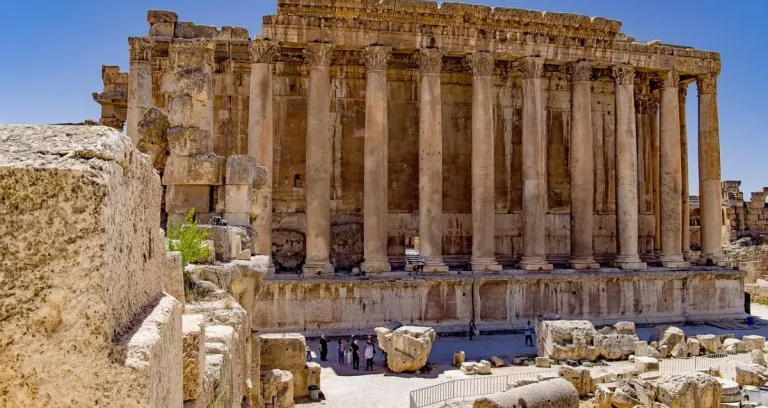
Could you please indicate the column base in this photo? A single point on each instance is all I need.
(718, 259)
(375, 266)
(535, 263)
(629, 262)
(320, 268)
(485, 265)
(673, 261)
(581, 264)
(691, 256)
(435, 267)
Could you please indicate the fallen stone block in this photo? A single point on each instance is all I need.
(566, 340)
(542, 362)
(753, 342)
(625, 328)
(580, 377)
(407, 347)
(615, 346)
(277, 388)
(667, 336)
(750, 374)
(689, 390)
(733, 345)
(497, 362)
(472, 367)
(758, 357)
(680, 350)
(694, 347)
(553, 393)
(645, 364)
(710, 343)
(458, 359)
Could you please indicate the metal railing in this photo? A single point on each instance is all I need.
(471, 387)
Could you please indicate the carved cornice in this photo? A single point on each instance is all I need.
(377, 57)
(430, 61)
(531, 67)
(318, 55)
(580, 71)
(623, 74)
(139, 49)
(668, 79)
(264, 52)
(707, 83)
(481, 63)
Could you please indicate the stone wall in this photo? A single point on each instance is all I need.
(501, 302)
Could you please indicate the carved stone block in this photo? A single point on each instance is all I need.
(180, 199)
(189, 141)
(195, 170)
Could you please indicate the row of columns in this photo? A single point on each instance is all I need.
(319, 164)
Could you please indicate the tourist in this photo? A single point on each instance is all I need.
(472, 330)
(369, 356)
(528, 333)
(355, 355)
(347, 353)
(341, 353)
(309, 353)
(323, 348)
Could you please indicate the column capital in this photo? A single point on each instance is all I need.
(682, 91)
(377, 57)
(318, 54)
(643, 104)
(192, 53)
(580, 71)
(531, 67)
(623, 74)
(139, 49)
(668, 79)
(430, 60)
(707, 83)
(264, 51)
(481, 63)
(653, 103)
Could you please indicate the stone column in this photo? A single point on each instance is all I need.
(431, 163)
(709, 169)
(654, 118)
(319, 159)
(534, 167)
(670, 180)
(582, 168)
(139, 84)
(260, 138)
(483, 205)
(627, 214)
(375, 199)
(686, 211)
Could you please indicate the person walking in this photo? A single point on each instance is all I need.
(341, 352)
(369, 356)
(347, 352)
(472, 330)
(323, 348)
(528, 333)
(355, 355)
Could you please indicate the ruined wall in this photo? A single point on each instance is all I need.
(498, 302)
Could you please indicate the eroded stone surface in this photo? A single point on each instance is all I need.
(407, 347)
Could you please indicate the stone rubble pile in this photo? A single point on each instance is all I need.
(562, 340)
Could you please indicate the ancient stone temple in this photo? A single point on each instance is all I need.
(498, 139)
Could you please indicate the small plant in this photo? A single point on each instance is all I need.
(187, 237)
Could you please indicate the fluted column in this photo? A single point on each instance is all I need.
(709, 169)
(655, 158)
(686, 210)
(431, 163)
(139, 84)
(483, 205)
(582, 168)
(670, 179)
(319, 159)
(534, 167)
(375, 200)
(627, 215)
(260, 138)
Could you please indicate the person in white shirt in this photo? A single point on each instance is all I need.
(528, 333)
(369, 356)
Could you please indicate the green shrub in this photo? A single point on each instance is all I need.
(187, 237)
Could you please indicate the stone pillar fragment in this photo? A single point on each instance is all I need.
(483, 205)
(139, 84)
(686, 211)
(627, 211)
(238, 189)
(670, 180)
(709, 169)
(431, 163)
(260, 138)
(375, 200)
(582, 168)
(534, 167)
(319, 160)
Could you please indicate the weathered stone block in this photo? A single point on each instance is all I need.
(753, 342)
(710, 343)
(239, 33)
(189, 141)
(458, 359)
(542, 362)
(277, 388)
(173, 278)
(185, 29)
(407, 347)
(285, 351)
(497, 361)
(580, 377)
(553, 393)
(162, 29)
(238, 198)
(161, 16)
(238, 218)
(205, 31)
(694, 347)
(241, 169)
(197, 170)
(689, 390)
(667, 336)
(193, 351)
(645, 364)
(625, 327)
(179, 199)
(191, 110)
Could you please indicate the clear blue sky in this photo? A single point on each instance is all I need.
(52, 52)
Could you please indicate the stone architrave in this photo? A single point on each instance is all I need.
(670, 179)
(582, 168)
(375, 199)
(483, 205)
(627, 214)
(139, 84)
(431, 162)
(319, 161)
(686, 210)
(709, 168)
(260, 137)
(534, 167)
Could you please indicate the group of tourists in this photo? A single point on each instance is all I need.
(349, 351)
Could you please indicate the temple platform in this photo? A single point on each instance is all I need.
(503, 301)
